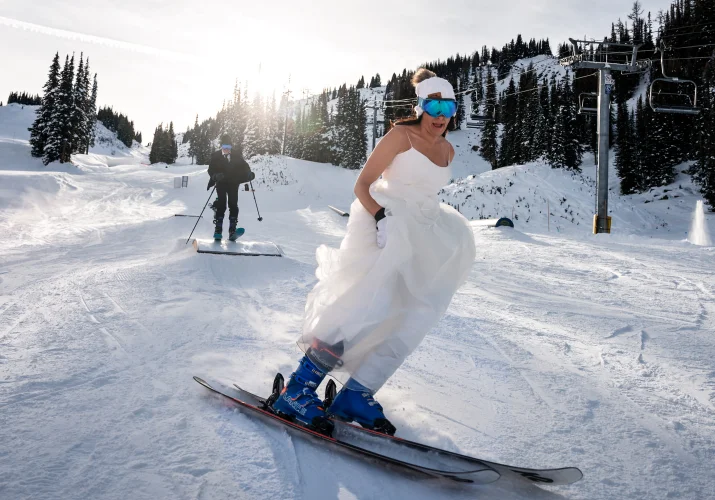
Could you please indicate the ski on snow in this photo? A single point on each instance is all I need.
(399, 452)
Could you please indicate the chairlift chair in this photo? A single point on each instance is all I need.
(583, 109)
(683, 103)
(478, 121)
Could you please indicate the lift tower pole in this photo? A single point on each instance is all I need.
(602, 222)
(285, 119)
(596, 57)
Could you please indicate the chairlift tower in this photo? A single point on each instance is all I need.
(597, 57)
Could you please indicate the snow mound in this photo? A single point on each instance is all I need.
(540, 199)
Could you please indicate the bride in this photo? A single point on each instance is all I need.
(402, 259)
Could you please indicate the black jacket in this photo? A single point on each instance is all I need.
(235, 172)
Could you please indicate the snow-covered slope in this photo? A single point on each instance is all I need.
(525, 193)
(562, 348)
(16, 119)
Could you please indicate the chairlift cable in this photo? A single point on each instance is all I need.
(475, 88)
(691, 26)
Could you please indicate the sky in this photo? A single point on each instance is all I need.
(160, 61)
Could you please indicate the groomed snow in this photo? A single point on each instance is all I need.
(563, 348)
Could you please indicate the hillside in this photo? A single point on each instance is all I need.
(16, 119)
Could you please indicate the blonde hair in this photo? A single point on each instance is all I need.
(421, 75)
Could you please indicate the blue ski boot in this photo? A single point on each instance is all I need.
(299, 401)
(355, 402)
(218, 230)
(233, 231)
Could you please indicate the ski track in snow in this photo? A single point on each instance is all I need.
(559, 350)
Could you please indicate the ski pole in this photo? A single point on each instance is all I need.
(254, 200)
(199, 218)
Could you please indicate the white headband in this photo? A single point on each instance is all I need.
(432, 86)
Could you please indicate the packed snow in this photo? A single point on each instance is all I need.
(564, 348)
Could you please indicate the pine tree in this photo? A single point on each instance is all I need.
(488, 146)
(23, 98)
(638, 22)
(285, 124)
(154, 153)
(705, 167)
(203, 146)
(350, 147)
(624, 150)
(359, 155)
(640, 147)
(164, 147)
(459, 117)
(194, 140)
(125, 131)
(274, 128)
(573, 148)
(59, 132)
(91, 111)
(254, 140)
(527, 117)
(557, 152)
(544, 122)
(295, 146)
(324, 132)
(39, 129)
(173, 149)
(509, 117)
(78, 118)
(236, 114)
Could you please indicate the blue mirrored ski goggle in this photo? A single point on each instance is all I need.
(225, 146)
(438, 107)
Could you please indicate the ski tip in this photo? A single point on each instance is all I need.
(202, 382)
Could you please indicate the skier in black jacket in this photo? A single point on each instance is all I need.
(228, 169)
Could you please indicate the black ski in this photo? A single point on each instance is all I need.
(352, 439)
(556, 477)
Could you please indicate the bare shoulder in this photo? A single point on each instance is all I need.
(449, 148)
(397, 138)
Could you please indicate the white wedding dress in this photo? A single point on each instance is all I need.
(380, 303)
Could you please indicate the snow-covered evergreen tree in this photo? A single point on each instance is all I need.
(274, 126)
(59, 131)
(173, 149)
(705, 166)
(624, 150)
(163, 146)
(91, 110)
(38, 131)
(156, 145)
(544, 123)
(236, 114)
(509, 117)
(350, 145)
(488, 148)
(78, 118)
(573, 147)
(254, 139)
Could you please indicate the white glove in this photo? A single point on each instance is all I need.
(382, 233)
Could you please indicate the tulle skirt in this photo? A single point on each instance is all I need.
(376, 304)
